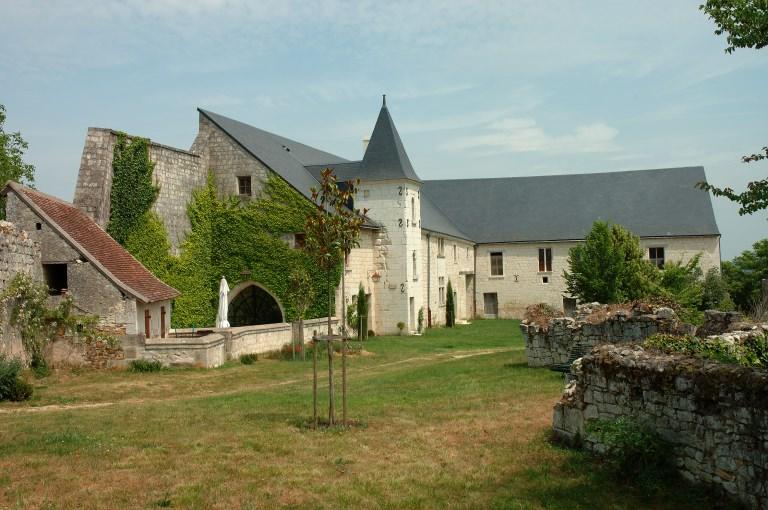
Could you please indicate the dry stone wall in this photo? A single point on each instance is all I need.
(715, 415)
(18, 253)
(550, 344)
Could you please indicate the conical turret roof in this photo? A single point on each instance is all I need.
(385, 158)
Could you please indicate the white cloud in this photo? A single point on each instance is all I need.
(525, 135)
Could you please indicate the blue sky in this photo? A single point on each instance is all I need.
(477, 89)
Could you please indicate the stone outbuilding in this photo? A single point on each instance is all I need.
(79, 259)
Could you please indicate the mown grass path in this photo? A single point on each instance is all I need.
(453, 419)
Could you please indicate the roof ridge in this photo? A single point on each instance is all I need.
(539, 176)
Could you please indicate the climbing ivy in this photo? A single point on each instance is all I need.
(133, 192)
(240, 241)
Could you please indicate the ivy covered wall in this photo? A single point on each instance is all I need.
(237, 240)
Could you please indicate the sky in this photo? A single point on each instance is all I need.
(476, 89)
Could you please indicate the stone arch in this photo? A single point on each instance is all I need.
(250, 303)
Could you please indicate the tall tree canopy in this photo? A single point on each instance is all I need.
(745, 23)
(12, 165)
(745, 273)
(609, 266)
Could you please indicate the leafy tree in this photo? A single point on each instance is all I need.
(715, 295)
(745, 23)
(609, 267)
(12, 165)
(745, 273)
(332, 230)
(450, 307)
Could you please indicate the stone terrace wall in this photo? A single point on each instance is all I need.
(213, 349)
(716, 415)
(177, 173)
(595, 324)
(18, 253)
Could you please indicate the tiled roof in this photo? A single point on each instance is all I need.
(96, 245)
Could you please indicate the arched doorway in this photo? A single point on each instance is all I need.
(251, 304)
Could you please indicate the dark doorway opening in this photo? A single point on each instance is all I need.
(253, 305)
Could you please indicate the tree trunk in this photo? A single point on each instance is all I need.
(330, 355)
(331, 417)
(301, 339)
(344, 381)
(314, 383)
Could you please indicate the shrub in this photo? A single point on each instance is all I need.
(632, 450)
(450, 307)
(20, 390)
(755, 351)
(249, 359)
(401, 326)
(716, 349)
(540, 314)
(421, 319)
(9, 374)
(371, 333)
(145, 365)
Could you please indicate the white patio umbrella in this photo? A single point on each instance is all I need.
(221, 316)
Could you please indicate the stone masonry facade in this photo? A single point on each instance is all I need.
(523, 284)
(18, 254)
(715, 415)
(177, 173)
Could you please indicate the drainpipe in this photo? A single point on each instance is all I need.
(429, 278)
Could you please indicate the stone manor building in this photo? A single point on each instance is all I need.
(502, 243)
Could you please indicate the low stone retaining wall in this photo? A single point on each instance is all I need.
(595, 324)
(212, 347)
(716, 415)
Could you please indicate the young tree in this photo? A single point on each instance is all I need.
(299, 294)
(12, 165)
(332, 230)
(450, 307)
(745, 23)
(608, 267)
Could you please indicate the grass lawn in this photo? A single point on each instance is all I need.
(452, 419)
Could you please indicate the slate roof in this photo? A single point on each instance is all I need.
(95, 244)
(285, 156)
(650, 203)
(385, 157)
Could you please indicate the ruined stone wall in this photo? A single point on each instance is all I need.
(18, 253)
(177, 173)
(715, 415)
(595, 324)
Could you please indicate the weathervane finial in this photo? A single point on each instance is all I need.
(383, 100)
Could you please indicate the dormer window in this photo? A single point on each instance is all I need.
(244, 185)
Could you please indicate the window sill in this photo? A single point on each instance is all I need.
(441, 256)
(497, 277)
